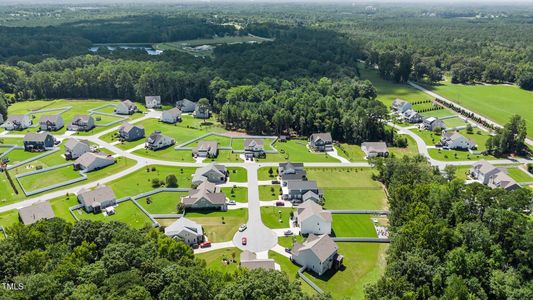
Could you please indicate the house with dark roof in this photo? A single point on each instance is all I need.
(296, 189)
(152, 101)
(75, 148)
(38, 141)
(17, 122)
(206, 149)
(493, 177)
(213, 173)
(129, 132)
(93, 161)
(311, 218)
(249, 260)
(186, 105)
(254, 148)
(431, 123)
(51, 122)
(205, 196)
(375, 149)
(157, 141)
(171, 116)
(400, 105)
(412, 116)
(126, 107)
(33, 213)
(455, 140)
(81, 123)
(186, 230)
(321, 142)
(318, 254)
(97, 199)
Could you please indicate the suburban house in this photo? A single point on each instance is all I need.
(431, 123)
(291, 171)
(312, 196)
(152, 101)
(318, 253)
(51, 122)
(205, 196)
(17, 122)
(93, 161)
(296, 189)
(126, 107)
(38, 141)
(455, 140)
(81, 123)
(171, 116)
(254, 148)
(321, 142)
(186, 105)
(401, 106)
(97, 199)
(412, 116)
(129, 132)
(186, 230)
(375, 149)
(33, 213)
(157, 141)
(201, 112)
(311, 218)
(75, 148)
(250, 261)
(487, 174)
(206, 149)
(213, 173)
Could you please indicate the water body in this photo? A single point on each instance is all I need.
(149, 50)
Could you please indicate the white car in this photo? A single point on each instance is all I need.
(242, 227)
(232, 202)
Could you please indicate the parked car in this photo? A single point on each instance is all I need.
(232, 202)
(288, 250)
(280, 203)
(205, 244)
(288, 232)
(244, 240)
(194, 246)
(242, 227)
(275, 181)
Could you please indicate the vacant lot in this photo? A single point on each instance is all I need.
(238, 194)
(219, 226)
(296, 151)
(162, 203)
(237, 174)
(269, 192)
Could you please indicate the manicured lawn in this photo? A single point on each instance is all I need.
(355, 198)
(353, 226)
(11, 141)
(267, 194)
(455, 155)
(223, 141)
(240, 194)
(7, 194)
(291, 270)
(262, 173)
(342, 177)
(271, 216)
(351, 152)
(126, 212)
(296, 151)
(438, 113)
(48, 178)
(461, 172)
(19, 155)
(219, 226)
(237, 174)
(8, 218)
(496, 102)
(519, 175)
(454, 122)
(162, 203)
(61, 204)
(288, 241)
(223, 260)
(431, 138)
(169, 154)
(226, 156)
(411, 149)
(141, 180)
(238, 143)
(47, 161)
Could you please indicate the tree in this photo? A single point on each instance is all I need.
(450, 171)
(171, 181)
(510, 139)
(270, 172)
(469, 128)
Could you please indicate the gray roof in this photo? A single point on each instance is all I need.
(398, 103)
(289, 165)
(484, 166)
(89, 157)
(36, 137)
(196, 195)
(15, 118)
(50, 118)
(212, 166)
(152, 98)
(504, 181)
(326, 137)
(321, 245)
(452, 136)
(127, 127)
(155, 137)
(128, 103)
(81, 118)
(299, 175)
(33, 213)
(302, 185)
(249, 260)
(378, 147)
(311, 208)
(253, 143)
(174, 112)
(72, 143)
(101, 194)
(207, 146)
(184, 224)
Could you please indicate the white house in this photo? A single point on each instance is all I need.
(126, 107)
(412, 116)
(17, 122)
(455, 140)
(157, 141)
(431, 123)
(97, 199)
(186, 105)
(93, 161)
(311, 218)
(401, 106)
(206, 149)
(375, 149)
(321, 142)
(171, 116)
(487, 174)
(213, 173)
(51, 122)
(317, 254)
(75, 148)
(186, 230)
(201, 112)
(152, 101)
(81, 123)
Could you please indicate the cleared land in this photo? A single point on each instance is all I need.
(223, 260)
(126, 212)
(188, 45)
(219, 226)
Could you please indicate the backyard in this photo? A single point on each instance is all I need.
(126, 212)
(352, 225)
(219, 226)
(162, 203)
(296, 151)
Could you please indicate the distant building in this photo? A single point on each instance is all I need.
(201, 112)
(81, 123)
(431, 123)
(129, 132)
(205, 196)
(93, 161)
(311, 218)
(254, 148)
(206, 149)
(455, 140)
(171, 116)
(401, 106)
(186, 105)
(186, 230)
(152, 101)
(38, 141)
(75, 148)
(33, 213)
(213, 173)
(17, 122)
(157, 141)
(375, 149)
(249, 260)
(126, 107)
(493, 177)
(317, 254)
(321, 142)
(97, 199)
(51, 122)
(296, 189)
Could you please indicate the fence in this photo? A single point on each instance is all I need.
(50, 187)
(54, 150)
(308, 281)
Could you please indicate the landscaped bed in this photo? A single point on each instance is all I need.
(219, 226)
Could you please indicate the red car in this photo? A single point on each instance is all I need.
(205, 244)
(244, 240)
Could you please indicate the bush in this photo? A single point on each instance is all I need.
(530, 168)
(171, 181)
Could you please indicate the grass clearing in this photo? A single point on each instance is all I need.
(219, 226)
(296, 151)
(263, 173)
(353, 226)
(519, 175)
(356, 198)
(237, 174)
(162, 203)
(8, 218)
(239, 194)
(188, 46)
(126, 212)
(223, 260)
(269, 192)
(48, 178)
(272, 215)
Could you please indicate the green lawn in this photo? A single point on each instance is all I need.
(291, 270)
(288, 241)
(342, 177)
(226, 156)
(240, 194)
(53, 159)
(219, 226)
(61, 204)
(48, 178)
(496, 102)
(19, 155)
(519, 175)
(262, 173)
(454, 122)
(223, 260)
(456, 155)
(162, 203)
(182, 45)
(237, 174)
(352, 153)
(126, 212)
(169, 154)
(9, 218)
(296, 151)
(438, 113)
(355, 198)
(353, 226)
(267, 194)
(271, 216)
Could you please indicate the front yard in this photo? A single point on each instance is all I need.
(276, 217)
(219, 226)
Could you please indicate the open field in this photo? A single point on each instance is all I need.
(296, 151)
(271, 216)
(519, 175)
(8, 218)
(162, 203)
(353, 226)
(262, 173)
(496, 102)
(215, 259)
(125, 212)
(48, 178)
(269, 192)
(219, 226)
(237, 174)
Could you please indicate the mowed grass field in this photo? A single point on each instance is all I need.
(48, 178)
(126, 212)
(296, 151)
(162, 203)
(496, 102)
(223, 260)
(272, 216)
(219, 226)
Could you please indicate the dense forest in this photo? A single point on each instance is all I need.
(451, 240)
